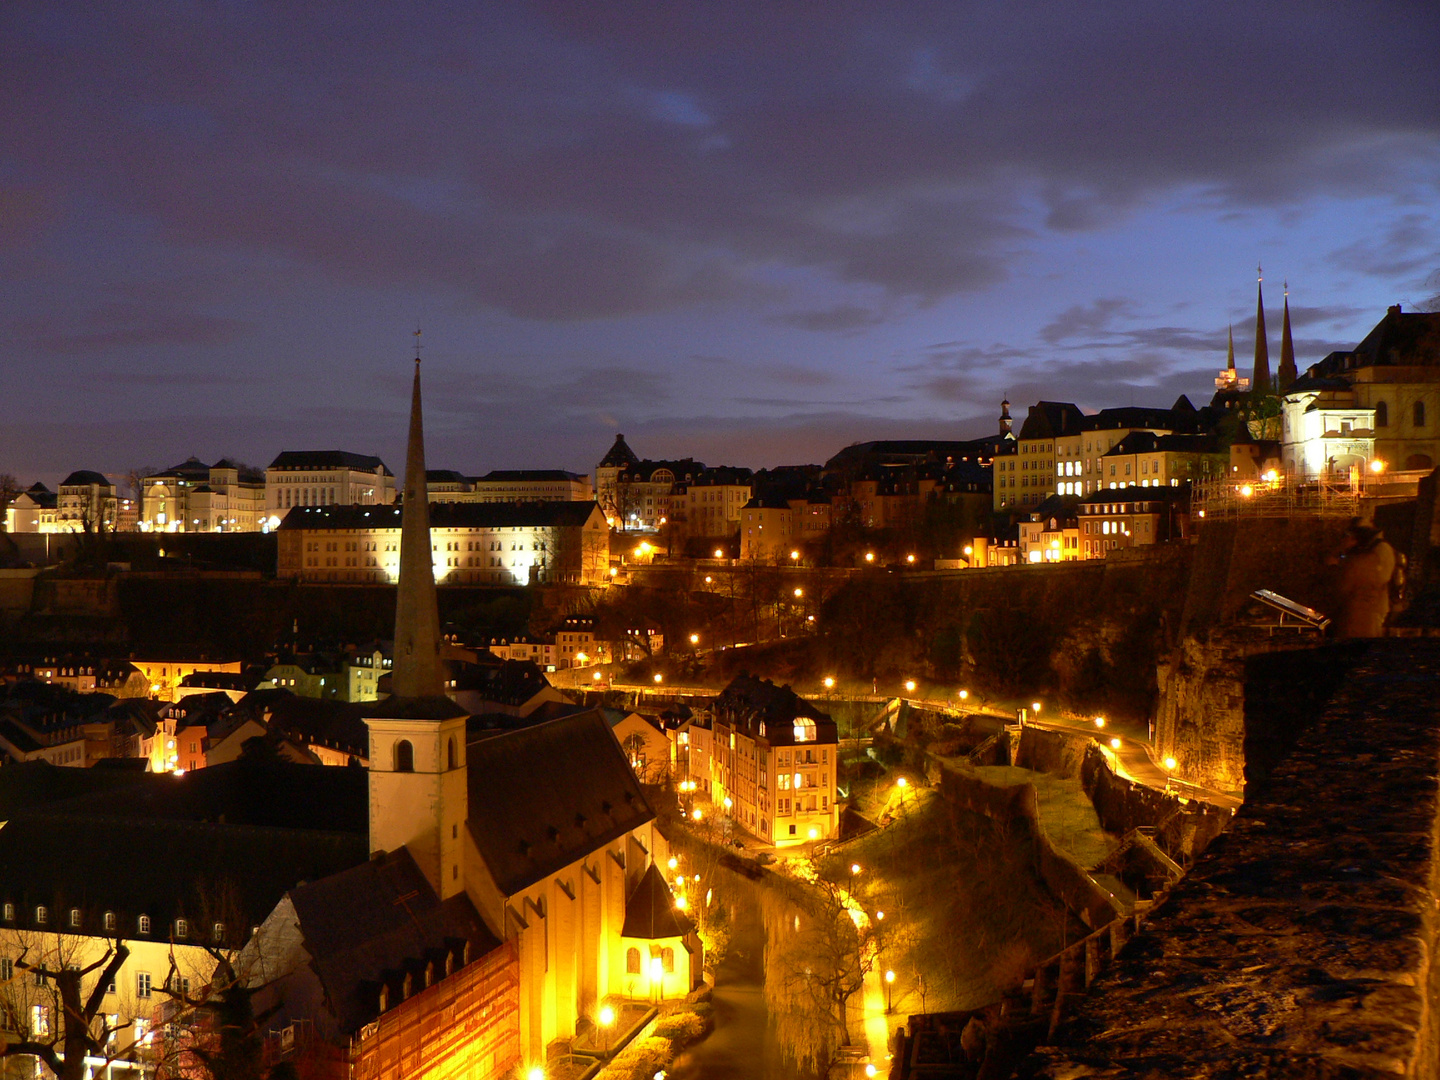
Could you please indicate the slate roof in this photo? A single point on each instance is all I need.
(329, 459)
(619, 456)
(368, 925)
(1050, 419)
(482, 515)
(192, 468)
(650, 911)
(544, 796)
(748, 701)
(84, 478)
(163, 869)
(513, 475)
(445, 476)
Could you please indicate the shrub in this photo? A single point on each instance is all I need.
(681, 1027)
(641, 1060)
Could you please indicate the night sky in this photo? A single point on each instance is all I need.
(751, 233)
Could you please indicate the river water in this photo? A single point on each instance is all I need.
(743, 1044)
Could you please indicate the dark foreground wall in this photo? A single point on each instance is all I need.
(1300, 944)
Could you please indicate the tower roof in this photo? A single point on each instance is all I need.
(1286, 375)
(1260, 382)
(418, 672)
(619, 456)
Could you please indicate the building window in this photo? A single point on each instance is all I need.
(182, 928)
(142, 984)
(74, 916)
(1419, 414)
(1382, 414)
(109, 920)
(667, 960)
(9, 912)
(42, 915)
(143, 924)
(632, 961)
(404, 756)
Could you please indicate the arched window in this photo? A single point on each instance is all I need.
(74, 916)
(451, 759)
(667, 960)
(143, 924)
(632, 961)
(42, 915)
(110, 920)
(1419, 414)
(1382, 414)
(404, 756)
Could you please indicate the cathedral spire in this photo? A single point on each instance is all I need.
(1286, 375)
(1260, 382)
(1230, 352)
(418, 671)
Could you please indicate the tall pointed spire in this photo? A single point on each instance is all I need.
(1230, 353)
(1286, 375)
(1260, 382)
(418, 672)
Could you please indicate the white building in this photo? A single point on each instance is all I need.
(326, 478)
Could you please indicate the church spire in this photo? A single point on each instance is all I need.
(418, 671)
(1260, 382)
(1230, 352)
(1286, 375)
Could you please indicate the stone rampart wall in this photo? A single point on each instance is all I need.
(1301, 942)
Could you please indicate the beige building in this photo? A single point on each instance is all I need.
(710, 505)
(195, 497)
(326, 478)
(767, 530)
(1132, 517)
(636, 495)
(775, 759)
(86, 501)
(1143, 459)
(34, 510)
(473, 544)
(1377, 402)
(164, 675)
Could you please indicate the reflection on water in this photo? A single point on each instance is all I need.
(743, 1043)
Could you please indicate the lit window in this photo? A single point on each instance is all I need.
(143, 924)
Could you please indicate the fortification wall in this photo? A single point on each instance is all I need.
(1300, 943)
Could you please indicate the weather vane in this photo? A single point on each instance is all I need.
(417, 344)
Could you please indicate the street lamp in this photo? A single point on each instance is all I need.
(854, 868)
(1035, 705)
(606, 1018)
(869, 556)
(1099, 721)
(694, 639)
(964, 695)
(910, 685)
(799, 593)
(1170, 764)
(829, 682)
(537, 1073)
(889, 991)
(659, 678)
(909, 558)
(719, 553)
(657, 976)
(794, 555)
(1114, 744)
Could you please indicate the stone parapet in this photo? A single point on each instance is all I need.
(1300, 943)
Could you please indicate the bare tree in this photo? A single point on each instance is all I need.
(54, 1005)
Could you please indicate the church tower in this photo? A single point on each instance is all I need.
(1006, 424)
(418, 796)
(1260, 382)
(1286, 375)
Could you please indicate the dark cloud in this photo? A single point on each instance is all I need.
(838, 318)
(1084, 319)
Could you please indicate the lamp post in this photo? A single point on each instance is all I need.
(889, 991)
(606, 1018)
(657, 978)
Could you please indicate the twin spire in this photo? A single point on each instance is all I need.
(1260, 382)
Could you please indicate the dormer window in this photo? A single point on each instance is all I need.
(110, 920)
(42, 915)
(218, 931)
(182, 928)
(74, 916)
(143, 924)
(9, 912)
(804, 730)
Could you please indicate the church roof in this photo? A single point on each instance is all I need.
(650, 913)
(544, 796)
(366, 926)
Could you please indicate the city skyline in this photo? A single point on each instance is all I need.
(751, 240)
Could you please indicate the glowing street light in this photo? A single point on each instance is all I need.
(909, 558)
(673, 863)
(854, 868)
(910, 685)
(708, 579)
(694, 639)
(595, 676)
(537, 1073)
(697, 815)
(659, 678)
(889, 991)
(1377, 466)
(681, 903)
(719, 553)
(814, 834)
(1114, 744)
(879, 916)
(902, 783)
(727, 803)
(829, 682)
(1099, 721)
(1170, 764)
(964, 695)
(869, 556)
(799, 593)
(794, 555)
(1035, 705)
(870, 1069)
(607, 1019)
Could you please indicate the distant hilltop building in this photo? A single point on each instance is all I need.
(635, 494)
(508, 485)
(195, 497)
(326, 478)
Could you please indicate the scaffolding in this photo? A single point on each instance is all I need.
(1225, 499)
